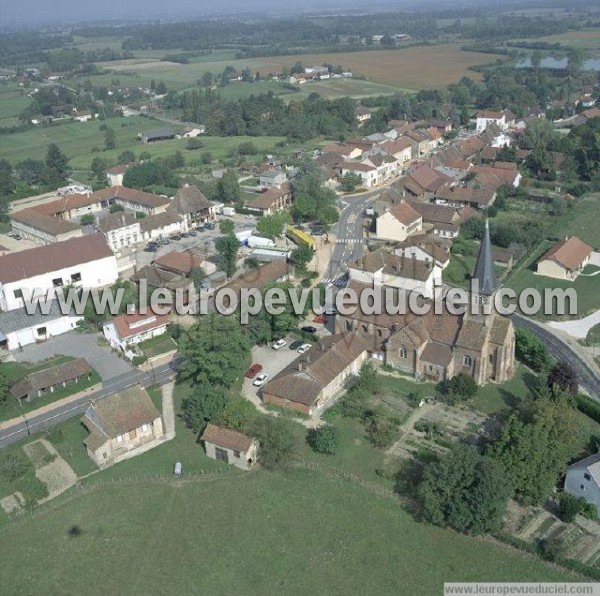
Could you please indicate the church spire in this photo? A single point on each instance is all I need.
(484, 271)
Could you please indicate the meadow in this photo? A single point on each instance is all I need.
(585, 39)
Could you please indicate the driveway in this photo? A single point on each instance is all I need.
(577, 328)
(595, 259)
(78, 345)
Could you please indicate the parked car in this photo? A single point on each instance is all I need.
(176, 237)
(192, 233)
(253, 371)
(320, 319)
(295, 345)
(164, 241)
(150, 249)
(261, 380)
(209, 226)
(276, 345)
(303, 348)
(185, 234)
(309, 329)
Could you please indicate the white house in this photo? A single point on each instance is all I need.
(18, 328)
(125, 331)
(86, 262)
(272, 178)
(367, 172)
(398, 222)
(583, 480)
(503, 119)
(115, 175)
(121, 229)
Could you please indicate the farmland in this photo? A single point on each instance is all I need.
(424, 67)
(584, 39)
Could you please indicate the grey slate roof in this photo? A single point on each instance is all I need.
(484, 270)
(14, 320)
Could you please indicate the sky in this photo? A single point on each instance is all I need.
(36, 12)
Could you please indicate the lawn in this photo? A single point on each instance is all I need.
(157, 345)
(581, 220)
(493, 398)
(293, 533)
(12, 102)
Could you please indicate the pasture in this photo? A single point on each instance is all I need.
(585, 39)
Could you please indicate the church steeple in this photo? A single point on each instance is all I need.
(484, 271)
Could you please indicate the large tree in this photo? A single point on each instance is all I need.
(465, 490)
(227, 246)
(215, 351)
(278, 441)
(55, 171)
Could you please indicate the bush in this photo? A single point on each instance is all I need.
(550, 548)
(194, 143)
(13, 467)
(323, 439)
(570, 507)
(586, 405)
(459, 388)
(138, 360)
(380, 429)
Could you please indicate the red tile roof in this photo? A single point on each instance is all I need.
(224, 437)
(569, 253)
(131, 325)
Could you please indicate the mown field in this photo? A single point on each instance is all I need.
(12, 102)
(424, 67)
(585, 39)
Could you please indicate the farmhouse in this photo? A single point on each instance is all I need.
(157, 134)
(18, 328)
(115, 175)
(583, 480)
(398, 222)
(85, 262)
(125, 331)
(45, 229)
(565, 260)
(230, 446)
(461, 196)
(274, 199)
(193, 206)
(49, 380)
(312, 382)
(362, 114)
(119, 424)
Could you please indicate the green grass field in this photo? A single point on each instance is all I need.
(12, 102)
(581, 220)
(297, 533)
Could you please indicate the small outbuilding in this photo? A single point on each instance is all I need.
(230, 446)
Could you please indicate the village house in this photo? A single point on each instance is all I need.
(272, 200)
(314, 380)
(125, 331)
(35, 225)
(47, 381)
(230, 446)
(397, 222)
(115, 175)
(162, 225)
(362, 114)
(438, 345)
(422, 183)
(503, 120)
(18, 328)
(427, 248)
(442, 220)
(121, 423)
(121, 229)
(583, 480)
(367, 172)
(132, 199)
(346, 151)
(461, 196)
(401, 149)
(193, 206)
(86, 262)
(565, 260)
(272, 178)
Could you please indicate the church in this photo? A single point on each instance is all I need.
(435, 347)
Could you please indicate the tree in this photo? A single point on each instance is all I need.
(227, 246)
(531, 351)
(126, 157)
(460, 387)
(301, 257)
(327, 215)
(110, 139)
(535, 445)
(7, 182)
(3, 388)
(351, 181)
(197, 275)
(272, 226)
(116, 208)
(277, 439)
(563, 377)
(238, 413)
(87, 219)
(323, 439)
(229, 187)
(215, 351)
(381, 429)
(206, 404)
(466, 491)
(226, 226)
(55, 171)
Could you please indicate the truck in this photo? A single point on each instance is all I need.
(260, 242)
(228, 211)
(243, 236)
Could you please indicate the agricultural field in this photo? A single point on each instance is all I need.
(581, 220)
(425, 67)
(585, 39)
(12, 102)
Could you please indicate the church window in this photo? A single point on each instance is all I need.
(467, 361)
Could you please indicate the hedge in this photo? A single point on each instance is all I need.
(588, 406)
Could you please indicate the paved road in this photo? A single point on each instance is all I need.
(39, 423)
(589, 379)
(348, 232)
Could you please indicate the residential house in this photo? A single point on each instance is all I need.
(121, 229)
(427, 248)
(272, 200)
(398, 222)
(367, 172)
(582, 480)
(401, 149)
(565, 260)
(132, 199)
(115, 175)
(460, 196)
(47, 381)
(230, 446)
(86, 262)
(502, 120)
(162, 225)
(20, 328)
(422, 183)
(313, 381)
(157, 134)
(35, 225)
(362, 114)
(272, 178)
(125, 331)
(442, 220)
(121, 423)
(193, 206)
(346, 151)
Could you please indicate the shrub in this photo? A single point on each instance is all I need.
(571, 506)
(323, 439)
(138, 360)
(380, 429)
(13, 467)
(459, 388)
(588, 406)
